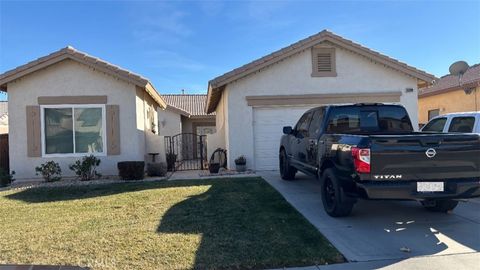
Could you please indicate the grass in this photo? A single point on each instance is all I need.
(200, 224)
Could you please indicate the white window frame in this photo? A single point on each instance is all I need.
(73, 107)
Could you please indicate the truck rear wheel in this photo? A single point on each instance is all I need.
(440, 205)
(335, 201)
(287, 172)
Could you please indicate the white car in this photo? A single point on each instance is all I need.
(464, 122)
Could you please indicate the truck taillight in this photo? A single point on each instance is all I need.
(361, 159)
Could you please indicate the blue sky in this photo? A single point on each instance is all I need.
(183, 44)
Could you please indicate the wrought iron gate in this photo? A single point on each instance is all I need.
(186, 151)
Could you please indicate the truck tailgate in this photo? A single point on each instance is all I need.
(450, 156)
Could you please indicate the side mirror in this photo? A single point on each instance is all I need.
(287, 130)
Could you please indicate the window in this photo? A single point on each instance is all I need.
(433, 113)
(73, 129)
(315, 125)
(436, 125)
(356, 119)
(462, 124)
(323, 62)
(303, 123)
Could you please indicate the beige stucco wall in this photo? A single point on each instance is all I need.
(170, 123)
(219, 139)
(148, 139)
(188, 123)
(72, 78)
(4, 124)
(448, 102)
(355, 74)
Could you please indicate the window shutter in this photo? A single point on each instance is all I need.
(34, 143)
(113, 129)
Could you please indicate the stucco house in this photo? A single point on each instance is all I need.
(449, 94)
(185, 113)
(253, 102)
(69, 104)
(3, 117)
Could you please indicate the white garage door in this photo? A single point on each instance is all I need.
(267, 131)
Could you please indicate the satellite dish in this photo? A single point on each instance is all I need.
(469, 90)
(458, 68)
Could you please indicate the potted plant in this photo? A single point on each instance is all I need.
(214, 167)
(171, 159)
(241, 164)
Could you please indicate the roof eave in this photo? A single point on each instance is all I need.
(150, 89)
(217, 83)
(449, 89)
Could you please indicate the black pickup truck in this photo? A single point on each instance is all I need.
(371, 151)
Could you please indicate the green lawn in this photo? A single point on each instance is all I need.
(203, 224)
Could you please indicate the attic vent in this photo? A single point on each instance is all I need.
(323, 62)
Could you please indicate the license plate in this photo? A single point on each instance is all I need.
(430, 187)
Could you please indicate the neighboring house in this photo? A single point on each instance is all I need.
(253, 102)
(3, 117)
(186, 114)
(449, 94)
(69, 104)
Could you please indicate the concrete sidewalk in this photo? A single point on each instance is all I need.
(469, 261)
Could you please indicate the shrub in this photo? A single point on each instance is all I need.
(157, 169)
(6, 178)
(86, 169)
(131, 170)
(50, 171)
(241, 160)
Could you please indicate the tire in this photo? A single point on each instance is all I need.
(335, 201)
(287, 172)
(440, 205)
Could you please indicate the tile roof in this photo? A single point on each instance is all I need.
(471, 78)
(215, 86)
(81, 57)
(191, 104)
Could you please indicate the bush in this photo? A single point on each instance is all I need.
(131, 170)
(6, 178)
(241, 160)
(157, 169)
(86, 169)
(50, 171)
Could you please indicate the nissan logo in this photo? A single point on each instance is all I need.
(430, 152)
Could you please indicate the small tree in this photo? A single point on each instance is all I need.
(86, 169)
(50, 171)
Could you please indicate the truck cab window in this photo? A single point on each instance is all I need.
(462, 124)
(316, 123)
(302, 126)
(436, 125)
(356, 119)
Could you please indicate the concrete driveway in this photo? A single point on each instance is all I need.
(378, 230)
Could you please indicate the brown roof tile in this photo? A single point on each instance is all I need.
(451, 82)
(191, 104)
